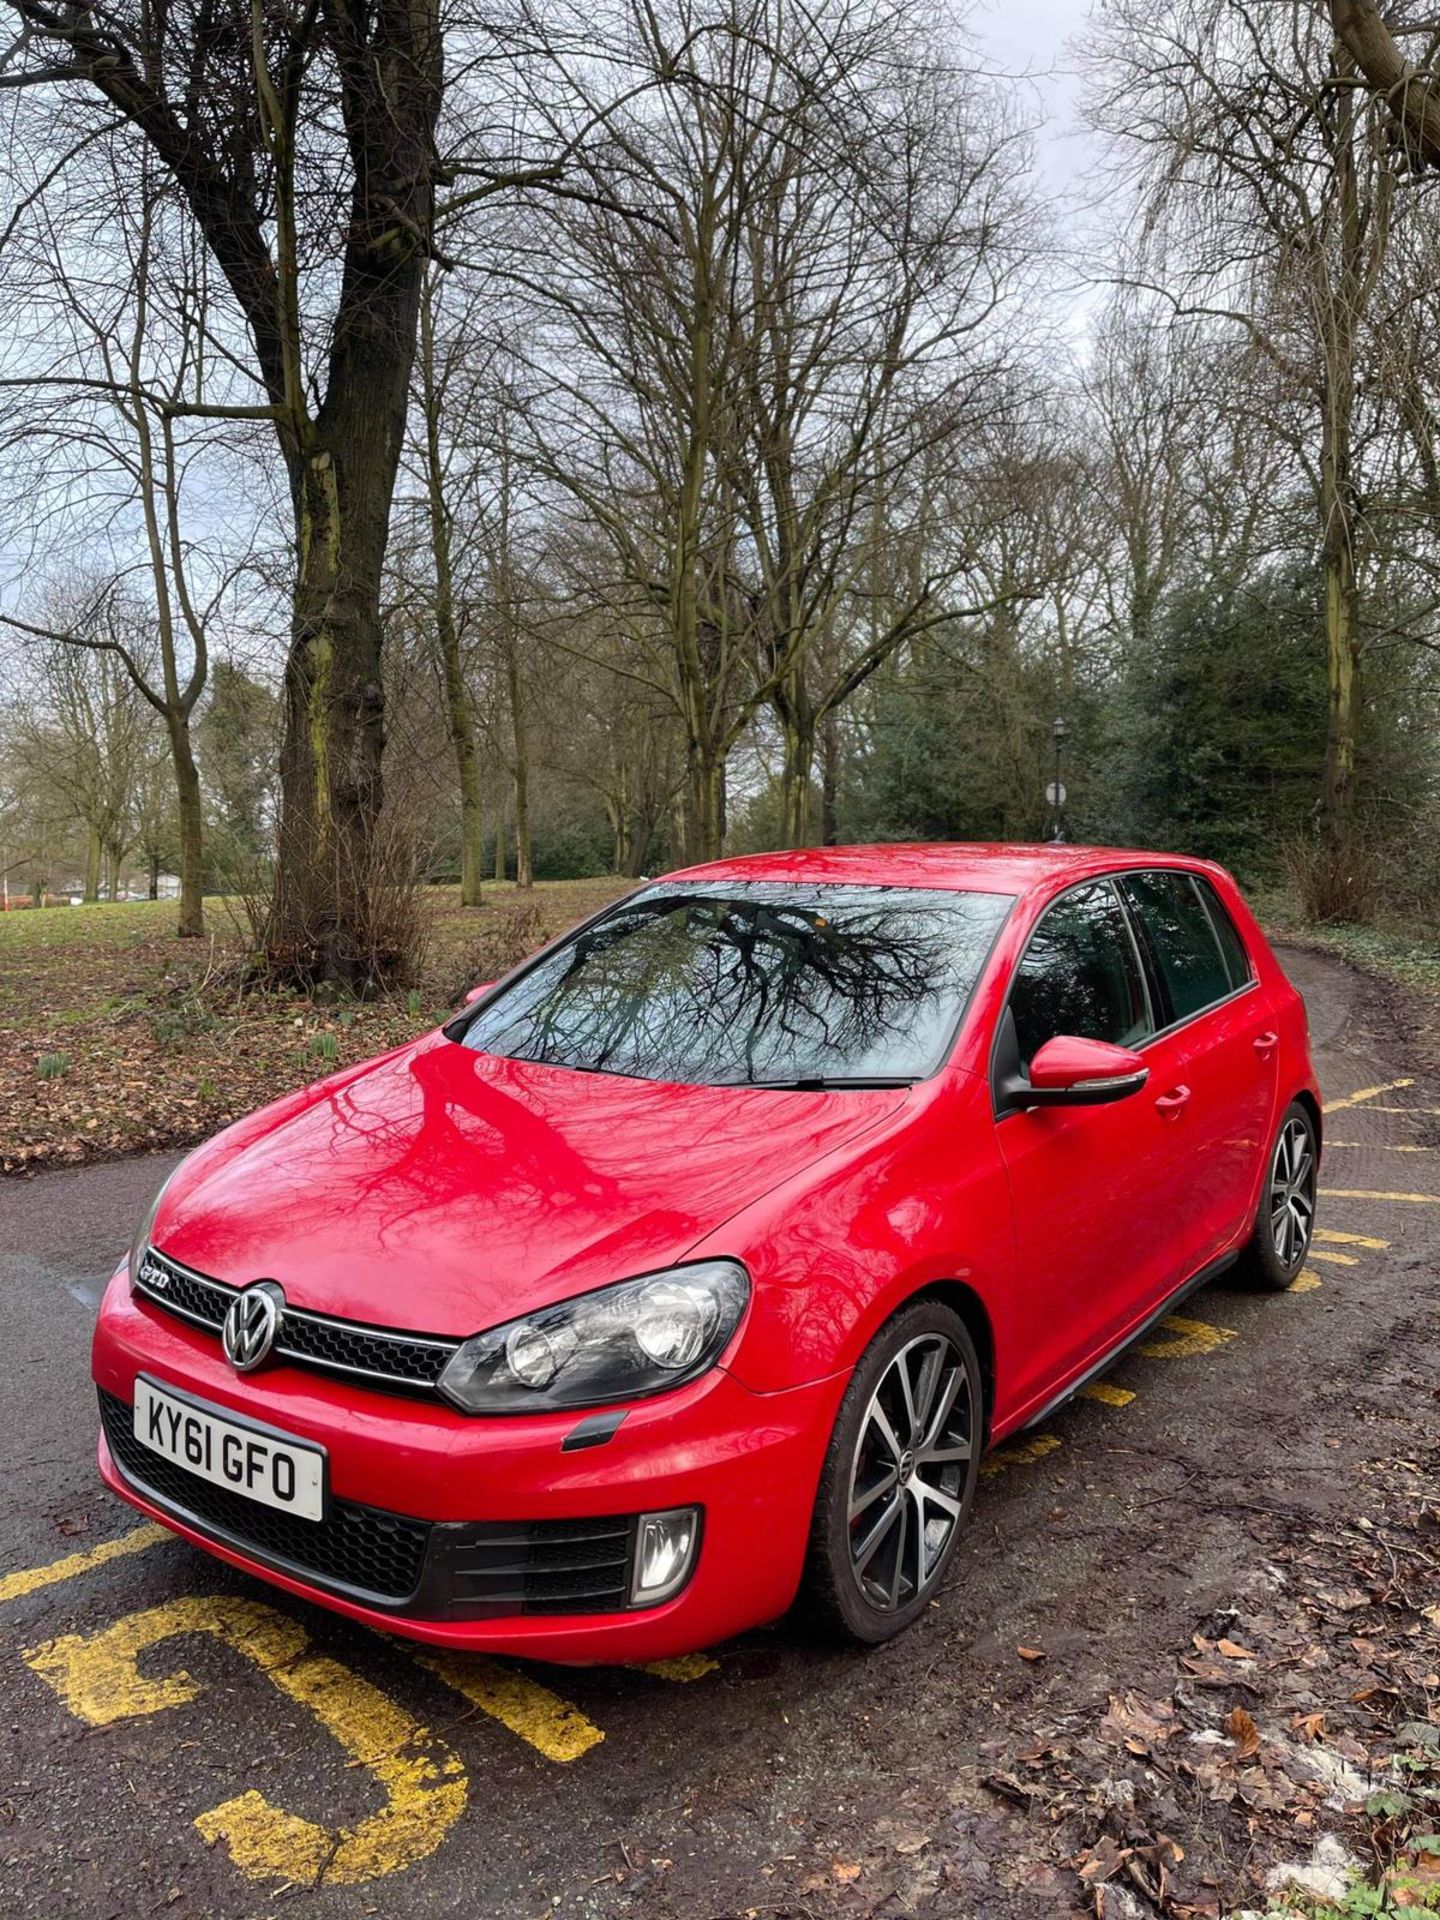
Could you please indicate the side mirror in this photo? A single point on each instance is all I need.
(1069, 1071)
(475, 992)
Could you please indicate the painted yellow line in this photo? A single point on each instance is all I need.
(1023, 1454)
(683, 1669)
(1107, 1395)
(1334, 1239)
(1334, 1259)
(1368, 1193)
(31, 1579)
(423, 1783)
(551, 1725)
(1378, 1146)
(1365, 1093)
(1188, 1339)
(1430, 1110)
(1306, 1281)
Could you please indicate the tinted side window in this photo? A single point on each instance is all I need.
(1182, 937)
(1080, 975)
(1237, 960)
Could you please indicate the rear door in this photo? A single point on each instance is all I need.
(1088, 1243)
(1213, 1063)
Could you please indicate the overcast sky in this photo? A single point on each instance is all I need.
(1031, 37)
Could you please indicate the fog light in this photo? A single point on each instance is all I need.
(664, 1553)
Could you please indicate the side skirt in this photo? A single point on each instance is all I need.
(1112, 1354)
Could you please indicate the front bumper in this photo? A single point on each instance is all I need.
(450, 1491)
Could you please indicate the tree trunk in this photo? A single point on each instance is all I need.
(330, 762)
(154, 876)
(1340, 518)
(187, 794)
(343, 463)
(92, 867)
(796, 715)
(459, 719)
(500, 846)
(703, 817)
(514, 682)
(829, 779)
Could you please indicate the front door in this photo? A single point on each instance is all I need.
(1091, 1244)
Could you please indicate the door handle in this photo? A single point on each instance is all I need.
(1266, 1042)
(1173, 1101)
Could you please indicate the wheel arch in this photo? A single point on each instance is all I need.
(1306, 1099)
(965, 1301)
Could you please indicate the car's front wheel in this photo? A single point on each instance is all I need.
(1275, 1253)
(899, 1476)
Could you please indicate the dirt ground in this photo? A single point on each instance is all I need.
(1194, 1618)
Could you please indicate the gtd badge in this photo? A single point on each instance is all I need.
(251, 1325)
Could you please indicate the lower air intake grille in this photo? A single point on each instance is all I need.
(360, 1549)
(430, 1570)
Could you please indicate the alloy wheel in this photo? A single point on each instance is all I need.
(1292, 1193)
(907, 1480)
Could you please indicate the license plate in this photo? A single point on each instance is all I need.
(256, 1461)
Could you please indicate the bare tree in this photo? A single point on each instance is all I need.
(776, 305)
(1269, 179)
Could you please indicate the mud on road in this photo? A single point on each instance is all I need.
(1237, 1516)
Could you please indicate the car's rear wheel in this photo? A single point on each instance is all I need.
(1275, 1253)
(898, 1478)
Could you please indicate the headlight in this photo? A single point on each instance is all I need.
(142, 1233)
(618, 1343)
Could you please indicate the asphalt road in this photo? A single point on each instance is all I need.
(180, 1740)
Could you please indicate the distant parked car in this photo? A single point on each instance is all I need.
(694, 1266)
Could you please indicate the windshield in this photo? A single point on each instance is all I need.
(724, 985)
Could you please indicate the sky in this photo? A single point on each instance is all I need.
(1033, 42)
(1029, 38)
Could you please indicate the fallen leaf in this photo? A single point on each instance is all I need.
(1138, 1723)
(1309, 1726)
(1244, 1732)
(844, 1871)
(1031, 1653)
(1233, 1650)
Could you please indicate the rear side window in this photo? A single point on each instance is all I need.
(1178, 925)
(1237, 960)
(1080, 975)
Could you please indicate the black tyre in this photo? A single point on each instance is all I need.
(1274, 1255)
(898, 1479)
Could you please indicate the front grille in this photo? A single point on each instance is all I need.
(398, 1362)
(362, 1550)
(430, 1570)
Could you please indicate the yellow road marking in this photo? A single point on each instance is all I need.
(1367, 1193)
(684, 1668)
(1107, 1395)
(1378, 1146)
(551, 1725)
(1334, 1239)
(31, 1579)
(1365, 1093)
(98, 1677)
(1306, 1281)
(1188, 1338)
(1023, 1454)
(1334, 1259)
(1405, 1109)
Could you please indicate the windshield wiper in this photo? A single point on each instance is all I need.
(830, 1082)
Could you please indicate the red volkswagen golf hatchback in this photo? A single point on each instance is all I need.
(694, 1266)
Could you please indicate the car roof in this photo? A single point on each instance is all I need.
(981, 867)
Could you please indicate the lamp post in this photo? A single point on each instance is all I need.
(1055, 792)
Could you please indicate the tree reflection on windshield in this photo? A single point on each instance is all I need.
(717, 984)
